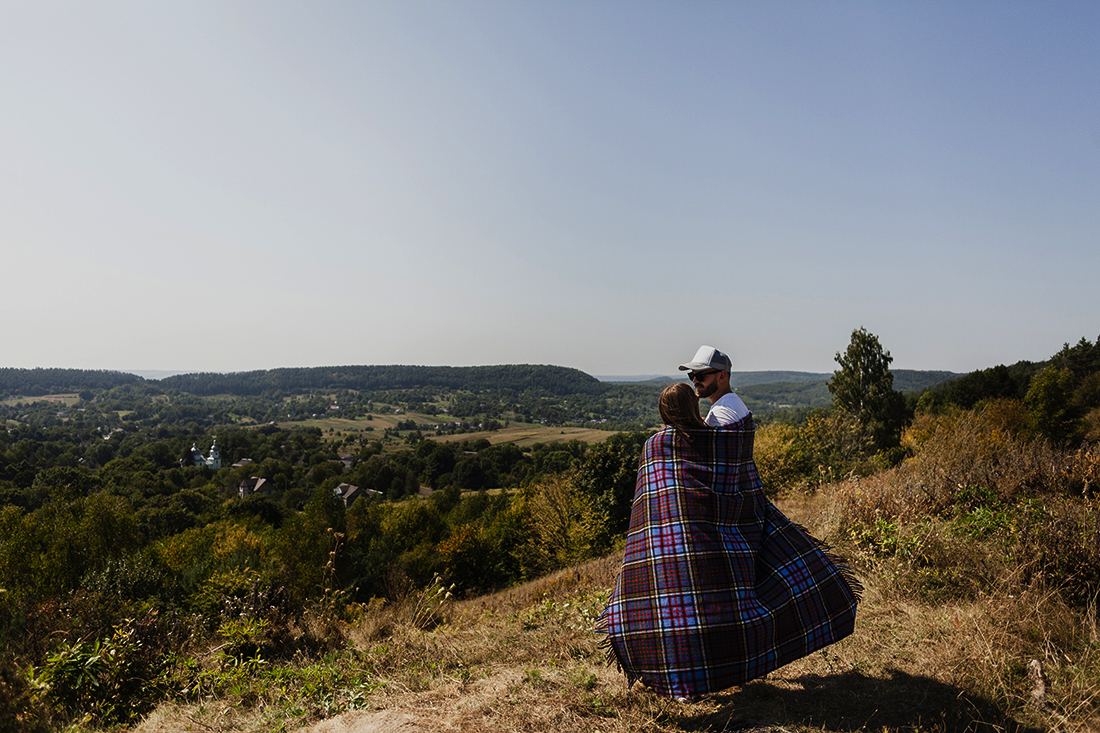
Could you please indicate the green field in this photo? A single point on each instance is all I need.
(522, 434)
(61, 399)
(527, 435)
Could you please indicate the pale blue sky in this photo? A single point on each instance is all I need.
(227, 186)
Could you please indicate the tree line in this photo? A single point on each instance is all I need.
(551, 380)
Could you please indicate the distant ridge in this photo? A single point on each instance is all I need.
(912, 380)
(38, 381)
(744, 379)
(633, 379)
(554, 380)
(905, 380)
(737, 379)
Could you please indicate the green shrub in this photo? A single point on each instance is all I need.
(565, 526)
(21, 708)
(988, 446)
(108, 680)
(1059, 543)
(132, 578)
(781, 458)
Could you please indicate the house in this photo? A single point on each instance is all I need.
(348, 493)
(255, 485)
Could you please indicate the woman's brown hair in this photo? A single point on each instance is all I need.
(680, 407)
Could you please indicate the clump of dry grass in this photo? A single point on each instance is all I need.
(976, 593)
(994, 648)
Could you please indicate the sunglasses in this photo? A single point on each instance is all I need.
(698, 376)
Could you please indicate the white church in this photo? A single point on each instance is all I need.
(214, 460)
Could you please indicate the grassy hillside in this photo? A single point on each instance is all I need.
(526, 659)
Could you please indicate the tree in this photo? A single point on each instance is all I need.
(987, 384)
(863, 387)
(608, 476)
(1051, 408)
(67, 484)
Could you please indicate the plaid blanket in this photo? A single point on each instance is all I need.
(717, 586)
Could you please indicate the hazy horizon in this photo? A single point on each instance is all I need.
(157, 374)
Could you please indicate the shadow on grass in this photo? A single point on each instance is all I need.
(854, 702)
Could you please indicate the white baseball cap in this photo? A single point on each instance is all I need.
(708, 357)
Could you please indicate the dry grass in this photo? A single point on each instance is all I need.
(525, 659)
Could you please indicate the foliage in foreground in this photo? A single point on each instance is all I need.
(101, 637)
(923, 657)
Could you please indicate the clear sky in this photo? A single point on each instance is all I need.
(228, 186)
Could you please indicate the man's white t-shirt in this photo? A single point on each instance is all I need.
(728, 409)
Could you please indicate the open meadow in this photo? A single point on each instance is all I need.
(523, 435)
(58, 399)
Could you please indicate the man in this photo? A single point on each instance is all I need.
(709, 371)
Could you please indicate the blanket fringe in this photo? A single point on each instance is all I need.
(839, 562)
(611, 654)
(848, 574)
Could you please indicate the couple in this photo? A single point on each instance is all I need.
(717, 587)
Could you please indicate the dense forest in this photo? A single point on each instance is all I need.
(114, 520)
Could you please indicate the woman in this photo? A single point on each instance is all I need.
(717, 586)
(679, 408)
